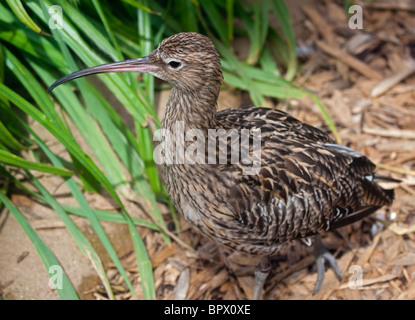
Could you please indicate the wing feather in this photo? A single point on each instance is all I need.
(306, 182)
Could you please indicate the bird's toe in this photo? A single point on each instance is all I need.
(322, 255)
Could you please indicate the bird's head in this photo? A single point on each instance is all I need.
(187, 60)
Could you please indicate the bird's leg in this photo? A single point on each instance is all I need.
(321, 255)
(261, 273)
(224, 259)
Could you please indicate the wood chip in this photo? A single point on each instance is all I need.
(384, 278)
(22, 256)
(161, 256)
(391, 133)
(406, 260)
(390, 82)
(401, 230)
(409, 294)
(369, 251)
(396, 169)
(351, 61)
(392, 5)
(182, 285)
(322, 26)
(368, 282)
(213, 282)
(360, 42)
(403, 159)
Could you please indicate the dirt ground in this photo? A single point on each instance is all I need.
(366, 80)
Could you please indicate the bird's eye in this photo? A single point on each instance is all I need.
(174, 64)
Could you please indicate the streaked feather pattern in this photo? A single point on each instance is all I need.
(306, 183)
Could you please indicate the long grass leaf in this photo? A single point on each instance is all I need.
(80, 239)
(86, 162)
(260, 30)
(114, 42)
(236, 66)
(28, 41)
(21, 13)
(34, 88)
(284, 19)
(66, 291)
(109, 216)
(230, 18)
(8, 139)
(139, 5)
(13, 160)
(216, 20)
(95, 224)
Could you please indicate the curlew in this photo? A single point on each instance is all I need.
(303, 183)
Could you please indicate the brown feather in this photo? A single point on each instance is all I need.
(306, 183)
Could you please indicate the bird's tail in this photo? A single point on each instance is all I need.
(379, 178)
(355, 216)
(374, 194)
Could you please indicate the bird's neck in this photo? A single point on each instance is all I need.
(196, 109)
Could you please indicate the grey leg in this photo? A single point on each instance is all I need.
(321, 255)
(261, 273)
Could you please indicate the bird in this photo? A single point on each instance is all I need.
(304, 183)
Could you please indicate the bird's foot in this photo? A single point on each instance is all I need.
(322, 255)
(261, 274)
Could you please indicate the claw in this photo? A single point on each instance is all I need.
(321, 256)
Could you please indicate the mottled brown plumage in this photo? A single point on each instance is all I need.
(306, 183)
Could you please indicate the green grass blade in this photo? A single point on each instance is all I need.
(236, 66)
(137, 4)
(187, 15)
(143, 260)
(268, 64)
(28, 41)
(230, 18)
(78, 211)
(1, 66)
(111, 217)
(146, 46)
(13, 160)
(80, 239)
(21, 13)
(86, 162)
(216, 20)
(326, 116)
(91, 31)
(67, 291)
(167, 17)
(34, 88)
(95, 224)
(8, 139)
(259, 27)
(284, 19)
(108, 29)
(143, 132)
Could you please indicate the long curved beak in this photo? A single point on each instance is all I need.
(133, 65)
